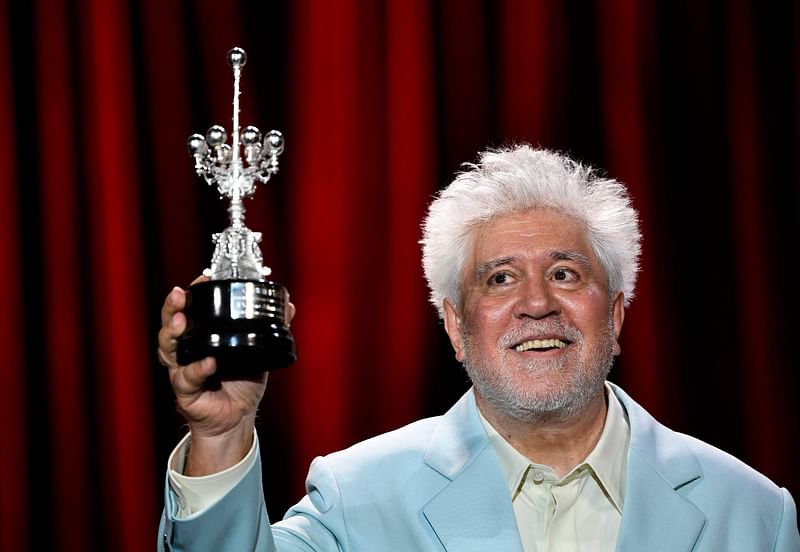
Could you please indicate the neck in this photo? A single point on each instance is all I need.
(560, 445)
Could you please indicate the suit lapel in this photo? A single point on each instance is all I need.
(473, 512)
(656, 517)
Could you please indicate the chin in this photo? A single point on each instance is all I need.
(555, 406)
(552, 397)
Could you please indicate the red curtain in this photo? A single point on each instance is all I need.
(14, 500)
(693, 105)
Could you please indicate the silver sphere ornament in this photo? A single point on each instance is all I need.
(196, 144)
(216, 135)
(275, 141)
(237, 57)
(251, 135)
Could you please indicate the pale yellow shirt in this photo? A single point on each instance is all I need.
(580, 512)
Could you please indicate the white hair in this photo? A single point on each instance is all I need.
(515, 180)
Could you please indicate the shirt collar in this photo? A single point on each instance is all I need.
(608, 460)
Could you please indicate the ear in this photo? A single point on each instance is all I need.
(617, 318)
(452, 325)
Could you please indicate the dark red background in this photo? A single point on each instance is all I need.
(692, 104)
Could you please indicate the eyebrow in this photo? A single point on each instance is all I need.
(488, 266)
(574, 256)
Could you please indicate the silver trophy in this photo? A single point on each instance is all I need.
(237, 316)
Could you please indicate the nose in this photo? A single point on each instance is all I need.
(536, 299)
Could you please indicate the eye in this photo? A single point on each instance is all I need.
(563, 274)
(499, 279)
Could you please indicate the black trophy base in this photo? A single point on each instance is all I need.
(241, 323)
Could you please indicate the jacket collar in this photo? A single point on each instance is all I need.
(656, 517)
(474, 512)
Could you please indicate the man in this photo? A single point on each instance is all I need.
(531, 261)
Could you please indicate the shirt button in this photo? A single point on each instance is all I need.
(537, 476)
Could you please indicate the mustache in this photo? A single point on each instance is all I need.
(553, 328)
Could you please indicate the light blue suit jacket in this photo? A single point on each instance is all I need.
(437, 485)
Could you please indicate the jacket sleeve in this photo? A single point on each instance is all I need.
(788, 539)
(238, 521)
(317, 522)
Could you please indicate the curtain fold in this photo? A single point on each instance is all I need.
(115, 250)
(63, 282)
(624, 28)
(762, 370)
(410, 178)
(14, 500)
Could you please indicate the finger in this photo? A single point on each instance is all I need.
(168, 334)
(290, 312)
(166, 359)
(190, 379)
(167, 345)
(201, 278)
(175, 301)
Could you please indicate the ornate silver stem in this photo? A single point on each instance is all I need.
(236, 251)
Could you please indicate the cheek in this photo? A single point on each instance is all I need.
(487, 315)
(586, 305)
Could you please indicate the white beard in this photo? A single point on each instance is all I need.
(572, 381)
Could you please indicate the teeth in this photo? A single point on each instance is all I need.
(540, 344)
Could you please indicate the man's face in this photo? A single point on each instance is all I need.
(536, 328)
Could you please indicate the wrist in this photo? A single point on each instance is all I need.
(213, 453)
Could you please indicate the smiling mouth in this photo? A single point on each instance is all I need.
(540, 345)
